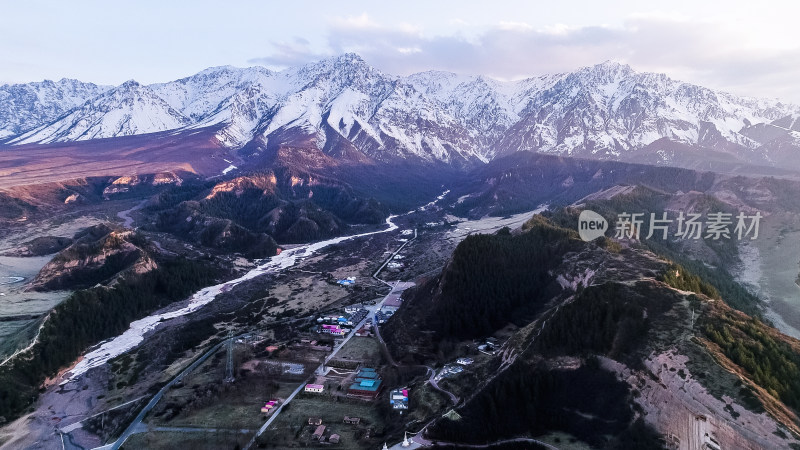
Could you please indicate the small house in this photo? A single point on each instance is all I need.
(334, 439)
(353, 308)
(318, 433)
(315, 421)
(352, 420)
(314, 388)
(269, 406)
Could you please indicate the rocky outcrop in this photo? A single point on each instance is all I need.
(98, 255)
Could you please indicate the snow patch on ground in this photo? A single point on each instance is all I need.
(581, 279)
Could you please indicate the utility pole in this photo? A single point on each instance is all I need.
(229, 369)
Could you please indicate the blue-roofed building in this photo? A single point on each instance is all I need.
(367, 373)
(367, 383)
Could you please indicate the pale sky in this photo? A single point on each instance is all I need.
(748, 48)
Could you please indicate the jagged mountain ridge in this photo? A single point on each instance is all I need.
(342, 104)
(126, 110)
(24, 107)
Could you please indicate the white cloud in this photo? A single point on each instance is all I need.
(711, 53)
(514, 26)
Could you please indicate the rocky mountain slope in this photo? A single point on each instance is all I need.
(98, 255)
(598, 318)
(27, 106)
(123, 111)
(352, 111)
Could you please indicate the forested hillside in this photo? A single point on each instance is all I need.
(90, 316)
(589, 403)
(491, 280)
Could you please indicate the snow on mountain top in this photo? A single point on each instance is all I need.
(26, 106)
(128, 109)
(439, 115)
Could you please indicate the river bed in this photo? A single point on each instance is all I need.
(131, 338)
(770, 267)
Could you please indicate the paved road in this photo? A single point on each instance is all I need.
(404, 285)
(504, 441)
(372, 309)
(132, 428)
(74, 426)
(435, 384)
(391, 257)
(200, 430)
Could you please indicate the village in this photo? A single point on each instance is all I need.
(343, 394)
(324, 379)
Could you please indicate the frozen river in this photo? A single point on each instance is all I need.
(135, 333)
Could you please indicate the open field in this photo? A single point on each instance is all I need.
(195, 440)
(203, 400)
(291, 428)
(365, 349)
(307, 293)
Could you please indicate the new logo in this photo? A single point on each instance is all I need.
(591, 225)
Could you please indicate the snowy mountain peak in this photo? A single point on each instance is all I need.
(128, 109)
(610, 67)
(343, 105)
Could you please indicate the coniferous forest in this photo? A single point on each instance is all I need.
(772, 363)
(500, 278)
(90, 316)
(588, 403)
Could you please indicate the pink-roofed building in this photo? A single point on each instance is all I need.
(332, 329)
(268, 406)
(314, 388)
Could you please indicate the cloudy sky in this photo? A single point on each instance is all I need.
(748, 48)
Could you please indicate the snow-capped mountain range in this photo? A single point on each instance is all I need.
(341, 105)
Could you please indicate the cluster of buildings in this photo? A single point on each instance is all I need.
(320, 429)
(319, 433)
(367, 384)
(396, 263)
(389, 307)
(454, 369)
(341, 325)
(269, 406)
(448, 370)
